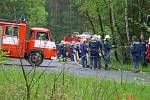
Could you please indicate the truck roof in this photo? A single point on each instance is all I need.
(39, 29)
(11, 23)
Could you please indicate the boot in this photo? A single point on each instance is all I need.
(106, 67)
(100, 66)
(136, 70)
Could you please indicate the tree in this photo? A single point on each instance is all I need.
(34, 10)
(64, 18)
(119, 18)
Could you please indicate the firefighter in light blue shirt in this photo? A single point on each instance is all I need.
(84, 51)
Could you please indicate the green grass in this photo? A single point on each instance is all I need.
(67, 87)
(128, 67)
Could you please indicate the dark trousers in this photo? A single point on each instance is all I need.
(93, 61)
(84, 60)
(98, 59)
(72, 57)
(107, 58)
(135, 58)
(143, 57)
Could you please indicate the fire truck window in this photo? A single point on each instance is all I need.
(42, 35)
(31, 35)
(11, 31)
(15, 31)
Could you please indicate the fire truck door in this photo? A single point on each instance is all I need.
(10, 40)
(11, 35)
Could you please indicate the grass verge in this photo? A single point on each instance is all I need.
(128, 67)
(63, 86)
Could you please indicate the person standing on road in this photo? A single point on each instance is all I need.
(135, 49)
(83, 49)
(64, 53)
(143, 50)
(60, 50)
(73, 49)
(107, 47)
(100, 51)
(94, 46)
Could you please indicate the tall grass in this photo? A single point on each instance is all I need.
(63, 86)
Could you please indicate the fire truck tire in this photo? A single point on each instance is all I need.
(35, 58)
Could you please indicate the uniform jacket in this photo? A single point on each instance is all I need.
(107, 45)
(135, 48)
(83, 49)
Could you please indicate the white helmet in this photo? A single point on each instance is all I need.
(107, 37)
(73, 42)
(99, 37)
(62, 41)
(83, 40)
(94, 37)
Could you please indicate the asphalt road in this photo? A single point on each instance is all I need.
(73, 68)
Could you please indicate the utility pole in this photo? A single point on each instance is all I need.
(126, 20)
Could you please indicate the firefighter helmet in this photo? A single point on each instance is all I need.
(62, 41)
(107, 37)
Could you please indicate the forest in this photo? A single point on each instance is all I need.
(60, 78)
(121, 19)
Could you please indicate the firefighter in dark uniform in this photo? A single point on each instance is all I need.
(135, 49)
(107, 47)
(84, 50)
(59, 54)
(62, 51)
(100, 51)
(94, 46)
(143, 50)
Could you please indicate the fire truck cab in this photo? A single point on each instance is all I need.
(38, 46)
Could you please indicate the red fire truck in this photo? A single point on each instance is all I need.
(38, 46)
(76, 37)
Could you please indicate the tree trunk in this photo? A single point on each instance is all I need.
(90, 22)
(112, 25)
(126, 20)
(125, 55)
(100, 23)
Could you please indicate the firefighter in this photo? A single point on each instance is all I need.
(135, 49)
(107, 47)
(83, 49)
(143, 50)
(73, 50)
(94, 46)
(62, 51)
(59, 49)
(100, 51)
(78, 51)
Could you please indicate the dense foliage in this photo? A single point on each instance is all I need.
(34, 10)
(119, 18)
